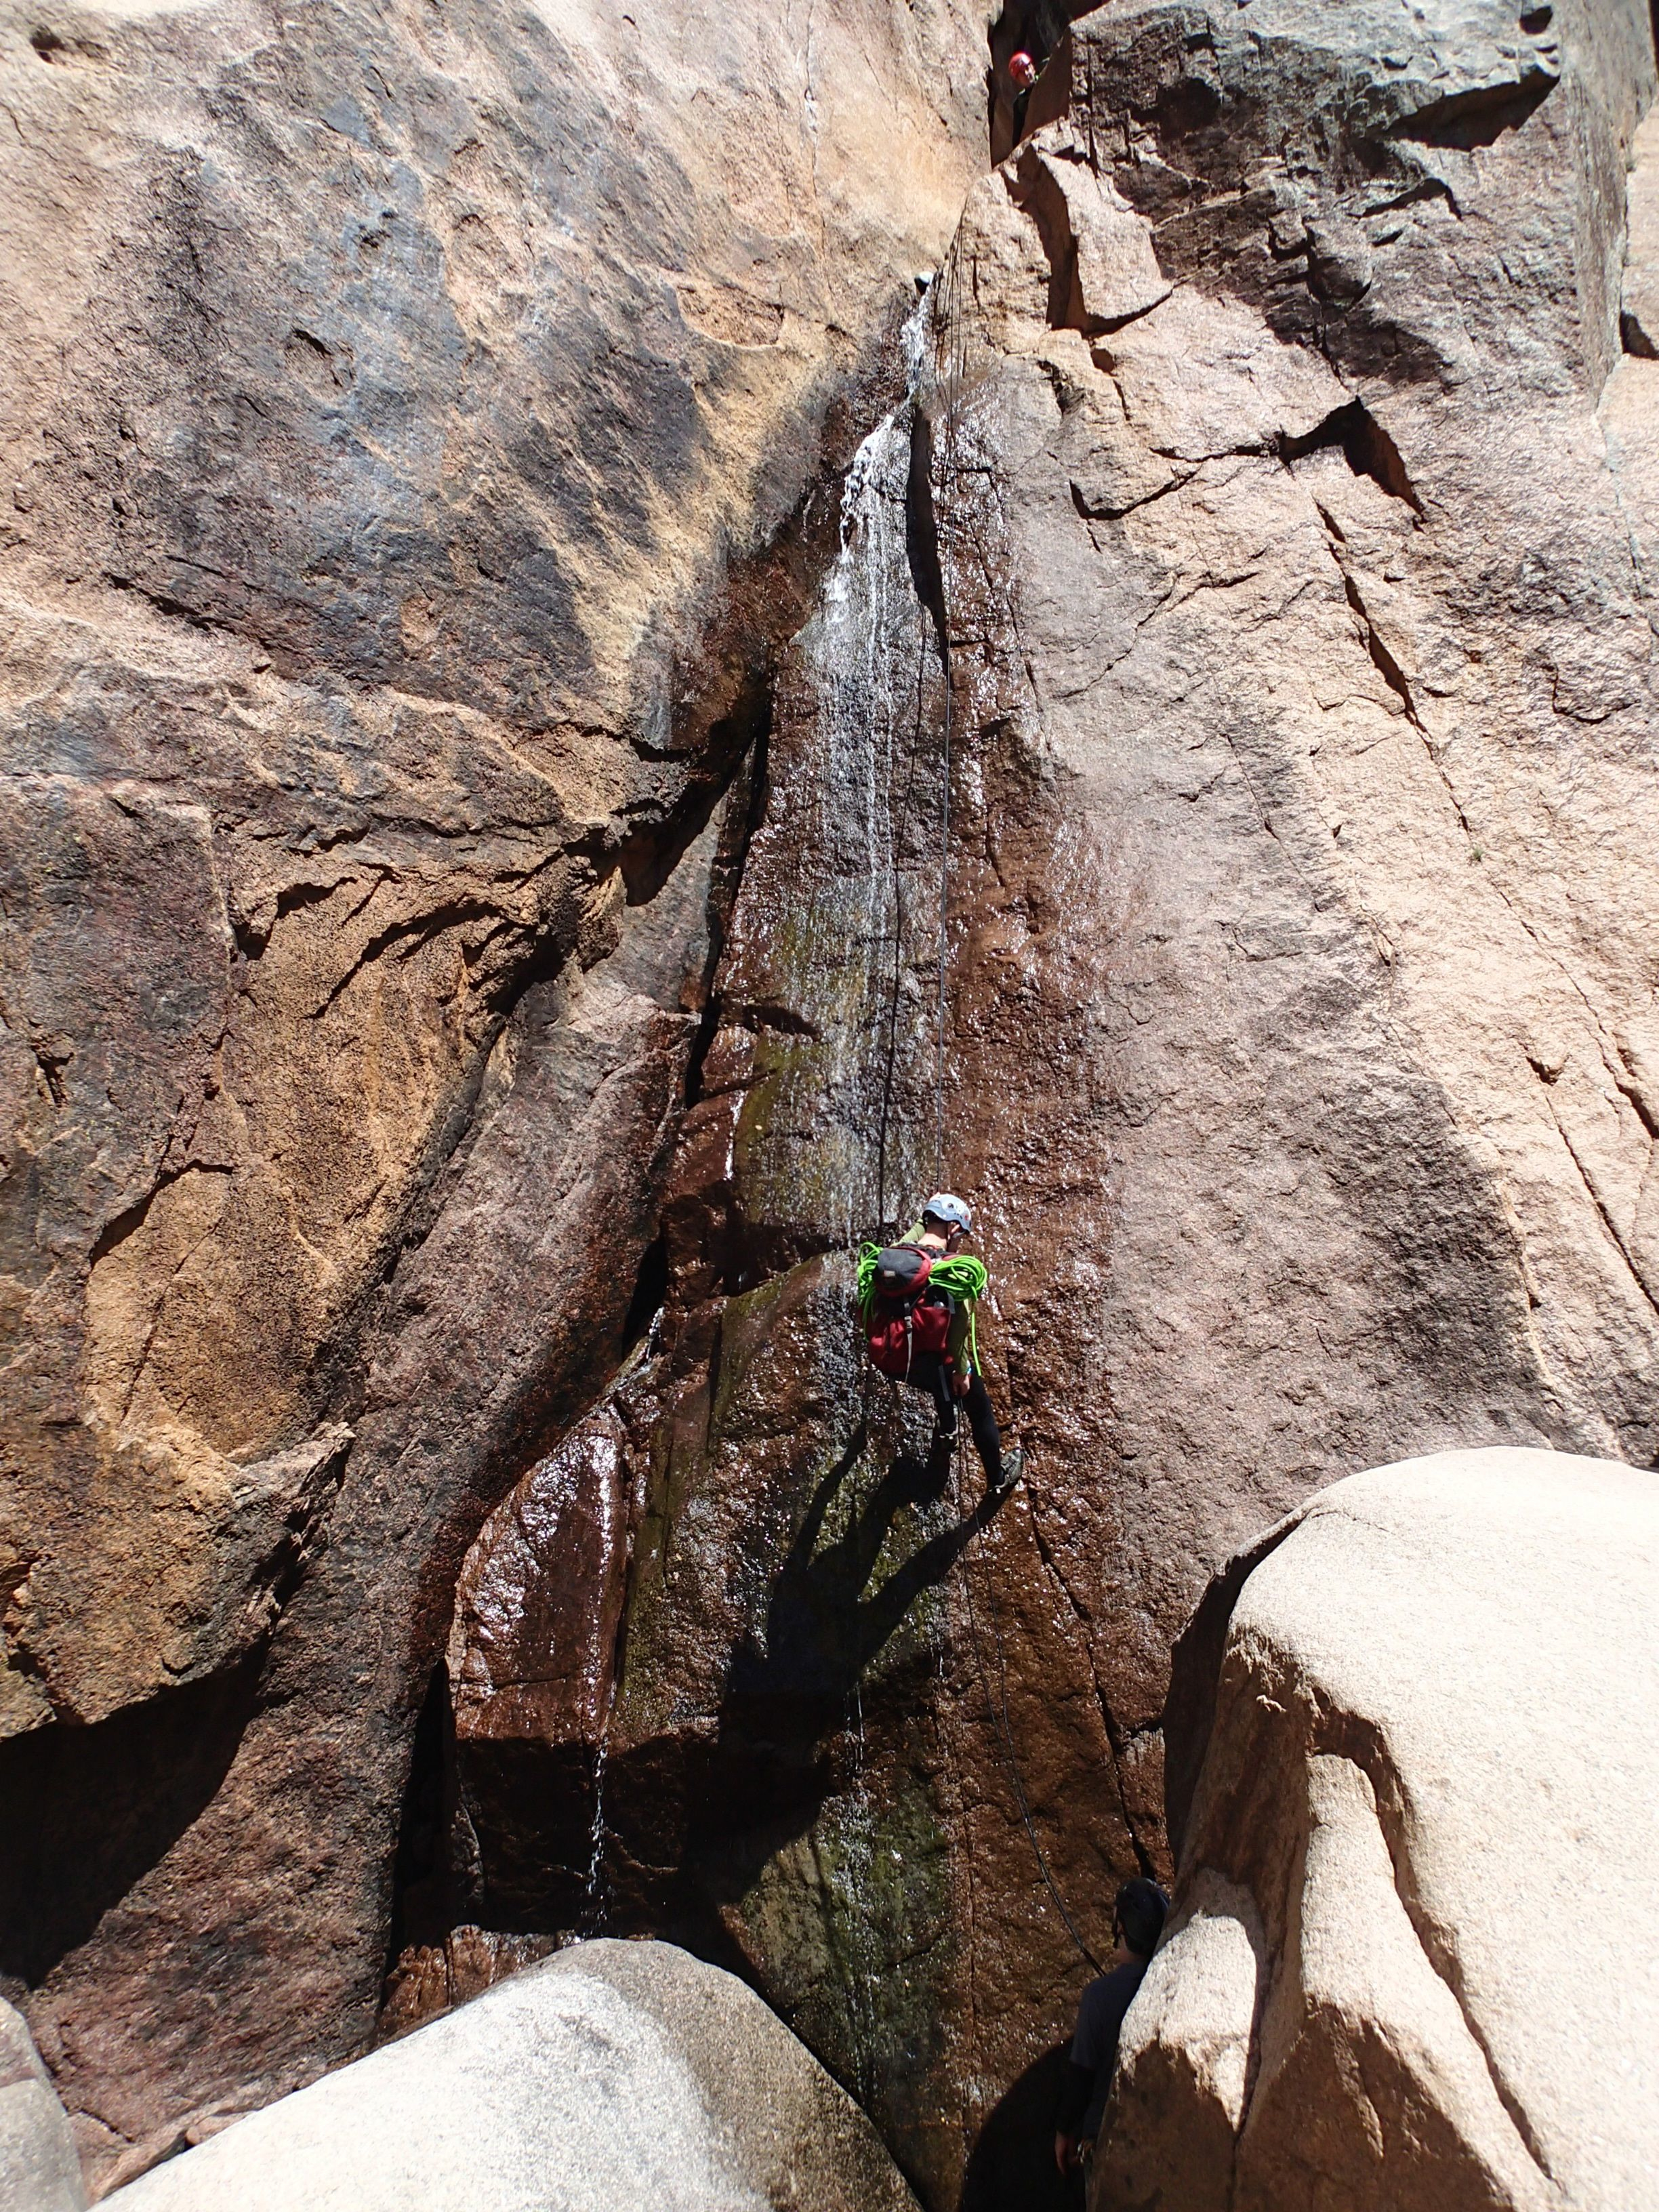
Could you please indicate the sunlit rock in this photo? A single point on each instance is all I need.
(1407, 1965)
(615, 2075)
(39, 2169)
(592, 708)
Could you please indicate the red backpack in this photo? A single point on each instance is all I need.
(900, 1319)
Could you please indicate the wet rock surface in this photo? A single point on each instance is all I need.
(524, 750)
(839, 1669)
(410, 474)
(617, 2074)
(1361, 1999)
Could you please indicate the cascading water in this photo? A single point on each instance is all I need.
(770, 1775)
(839, 923)
(863, 969)
(599, 1690)
(873, 652)
(594, 1914)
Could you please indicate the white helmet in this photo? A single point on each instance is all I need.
(943, 1206)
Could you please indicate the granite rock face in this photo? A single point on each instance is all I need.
(488, 781)
(1274, 473)
(617, 2074)
(1405, 1965)
(416, 436)
(388, 440)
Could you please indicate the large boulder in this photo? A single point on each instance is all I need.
(39, 2169)
(614, 2076)
(1412, 1961)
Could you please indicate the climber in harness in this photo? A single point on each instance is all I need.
(917, 1300)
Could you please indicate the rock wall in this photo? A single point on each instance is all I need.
(501, 711)
(415, 429)
(1287, 542)
(1301, 729)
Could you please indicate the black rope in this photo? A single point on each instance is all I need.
(944, 899)
(949, 383)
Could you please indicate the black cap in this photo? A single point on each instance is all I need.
(1142, 1907)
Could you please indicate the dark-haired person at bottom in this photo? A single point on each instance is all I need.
(1137, 1922)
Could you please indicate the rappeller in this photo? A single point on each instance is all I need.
(917, 1302)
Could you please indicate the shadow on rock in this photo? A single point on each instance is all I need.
(1011, 2165)
(821, 1631)
(692, 1818)
(86, 1813)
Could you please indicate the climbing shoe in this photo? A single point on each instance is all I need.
(1014, 1470)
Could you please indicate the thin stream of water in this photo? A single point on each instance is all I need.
(871, 980)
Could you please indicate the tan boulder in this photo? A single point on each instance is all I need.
(39, 2169)
(1411, 1963)
(613, 2077)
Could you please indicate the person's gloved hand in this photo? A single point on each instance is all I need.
(1065, 2153)
(960, 1381)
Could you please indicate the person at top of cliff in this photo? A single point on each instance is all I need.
(1023, 71)
(1138, 1918)
(918, 1300)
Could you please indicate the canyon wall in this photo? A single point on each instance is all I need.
(1273, 466)
(416, 430)
(512, 645)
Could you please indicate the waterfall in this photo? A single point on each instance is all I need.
(862, 796)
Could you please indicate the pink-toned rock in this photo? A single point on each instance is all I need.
(1405, 1965)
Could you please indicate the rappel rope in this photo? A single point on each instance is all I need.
(947, 359)
(950, 385)
(999, 1711)
(944, 891)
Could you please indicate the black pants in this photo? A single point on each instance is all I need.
(928, 1372)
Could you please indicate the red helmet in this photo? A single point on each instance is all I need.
(1023, 70)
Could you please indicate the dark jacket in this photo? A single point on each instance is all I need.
(1094, 2049)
